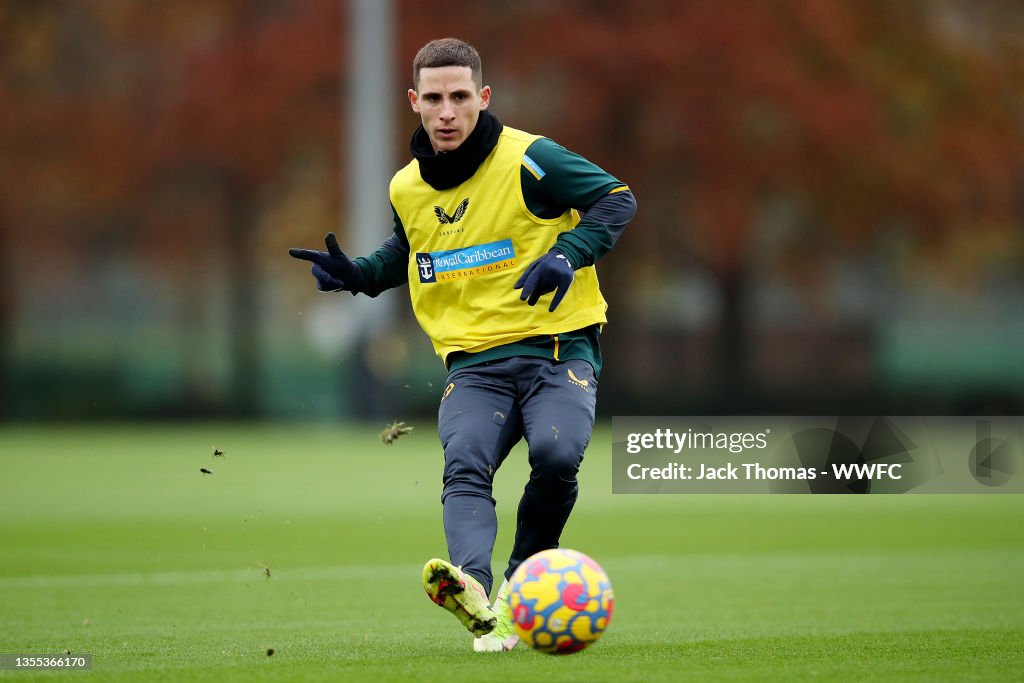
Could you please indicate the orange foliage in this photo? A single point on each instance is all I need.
(864, 112)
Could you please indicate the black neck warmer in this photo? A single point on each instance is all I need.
(448, 169)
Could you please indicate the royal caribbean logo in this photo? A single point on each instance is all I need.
(426, 266)
(466, 262)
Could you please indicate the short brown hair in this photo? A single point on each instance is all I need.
(447, 52)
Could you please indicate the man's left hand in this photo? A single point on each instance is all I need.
(552, 272)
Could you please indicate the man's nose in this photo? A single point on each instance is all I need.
(447, 110)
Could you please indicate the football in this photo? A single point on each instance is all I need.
(561, 601)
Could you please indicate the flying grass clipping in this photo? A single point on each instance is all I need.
(393, 431)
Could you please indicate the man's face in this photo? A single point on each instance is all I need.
(449, 104)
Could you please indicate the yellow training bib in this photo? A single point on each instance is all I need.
(469, 244)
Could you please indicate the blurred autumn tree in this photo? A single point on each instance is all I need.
(150, 136)
(150, 131)
(864, 115)
(267, 89)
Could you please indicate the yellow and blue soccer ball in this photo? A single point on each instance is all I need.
(561, 601)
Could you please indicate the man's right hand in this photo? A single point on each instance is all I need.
(334, 272)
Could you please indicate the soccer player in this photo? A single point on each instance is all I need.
(487, 223)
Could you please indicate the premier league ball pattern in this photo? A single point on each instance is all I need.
(561, 601)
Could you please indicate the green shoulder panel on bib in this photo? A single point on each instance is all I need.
(554, 179)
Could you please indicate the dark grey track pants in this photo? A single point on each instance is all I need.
(485, 411)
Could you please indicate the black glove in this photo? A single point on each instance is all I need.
(552, 272)
(334, 272)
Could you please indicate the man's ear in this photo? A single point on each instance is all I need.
(414, 100)
(485, 97)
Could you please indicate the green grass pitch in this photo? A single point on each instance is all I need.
(113, 543)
